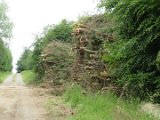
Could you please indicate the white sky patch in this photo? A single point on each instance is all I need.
(30, 16)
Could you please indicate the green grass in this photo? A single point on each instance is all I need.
(4, 75)
(28, 76)
(52, 106)
(100, 106)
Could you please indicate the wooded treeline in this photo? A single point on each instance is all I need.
(117, 50)
(5, 35)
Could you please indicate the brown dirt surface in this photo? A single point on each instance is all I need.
(19, 102)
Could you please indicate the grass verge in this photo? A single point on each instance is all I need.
(28, 76)
(4, 75)
(57, 109)
(102, 106)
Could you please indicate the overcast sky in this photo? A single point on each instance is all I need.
(30, 16)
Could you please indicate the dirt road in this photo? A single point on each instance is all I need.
(18, 102)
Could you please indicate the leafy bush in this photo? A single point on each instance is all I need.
(132, 57)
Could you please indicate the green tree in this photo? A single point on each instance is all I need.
(60, 32)
(5, 35)
(5, 58)
(133, 56)
(5, 24)
(26, 61)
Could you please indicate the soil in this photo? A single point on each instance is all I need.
(19, 102)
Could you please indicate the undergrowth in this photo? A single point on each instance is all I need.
(28, 76)
(98, 106)
(4, 75)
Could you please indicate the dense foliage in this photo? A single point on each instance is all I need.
(26, 61)
(5, 34)
(59, 32)
(134, 54)
(5, 58)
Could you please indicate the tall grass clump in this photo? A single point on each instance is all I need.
(102, 106)
(4, 75)
(28, 76)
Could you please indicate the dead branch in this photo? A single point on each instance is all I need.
(94, 56)
(80, 30)
(89, 67)
(87, 50)
(80, 25)
(109, 88)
